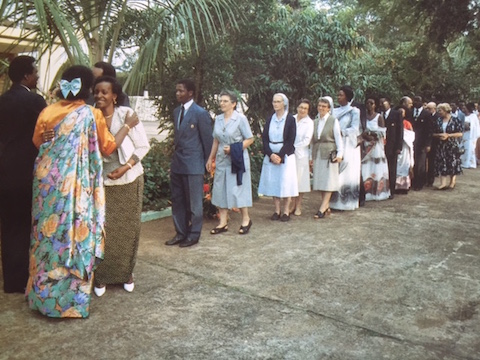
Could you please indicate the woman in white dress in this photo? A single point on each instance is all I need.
(279, 164)
(405, 160)
(302, 142)
(231, 138)
(327, 153)
(470, 137)
(374, 162)
(347, 197)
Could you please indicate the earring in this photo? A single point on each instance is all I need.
(115, 101)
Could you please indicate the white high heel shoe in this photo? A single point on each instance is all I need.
(129, 286)
(99, 291)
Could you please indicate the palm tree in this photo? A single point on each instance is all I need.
(88, 30)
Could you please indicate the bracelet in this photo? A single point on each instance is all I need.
(128, 127)
(129, 165)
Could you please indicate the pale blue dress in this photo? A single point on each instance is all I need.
(226, 194)
(278, 180)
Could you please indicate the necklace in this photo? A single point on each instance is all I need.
(108, 116)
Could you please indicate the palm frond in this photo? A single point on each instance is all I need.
(182, 27)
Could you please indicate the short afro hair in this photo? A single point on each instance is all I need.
(20, 66)
(108, 69)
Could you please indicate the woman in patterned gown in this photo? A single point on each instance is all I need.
(347, 198)
(68, 210)
(374, 162)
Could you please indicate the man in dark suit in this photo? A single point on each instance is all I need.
(407, 103)
(432, 109)
(393, 147)
(193, 142)
(19, 109)
(422, 127)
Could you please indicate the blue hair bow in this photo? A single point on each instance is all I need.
(73, 87)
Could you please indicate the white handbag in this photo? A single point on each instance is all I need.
(126, 150)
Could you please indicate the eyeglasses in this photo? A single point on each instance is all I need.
(322, 106)
(277, 101)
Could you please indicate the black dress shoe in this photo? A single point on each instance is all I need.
(285, 217)
(275, 217)
(177, 239)
(188, 242)
(14, 290)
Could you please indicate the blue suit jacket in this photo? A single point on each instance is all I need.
(193, 141)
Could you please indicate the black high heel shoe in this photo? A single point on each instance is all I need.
(321, 215)
(245, 229)
(218, 230)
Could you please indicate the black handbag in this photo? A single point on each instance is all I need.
(332, 156)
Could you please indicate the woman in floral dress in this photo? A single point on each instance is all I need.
(68, 207)
(449, 131)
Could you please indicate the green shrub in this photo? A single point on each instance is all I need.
(156, 193)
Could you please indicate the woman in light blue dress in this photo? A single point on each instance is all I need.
(231, 138)
(279, 163)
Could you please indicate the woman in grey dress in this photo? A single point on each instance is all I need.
(327, 153)
(231, 138)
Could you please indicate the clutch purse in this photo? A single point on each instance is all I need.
(332, 156)
(126, 150)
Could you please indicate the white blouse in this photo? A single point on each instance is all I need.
(304, 136)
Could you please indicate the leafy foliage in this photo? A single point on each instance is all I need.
(178, 27)
(156, 165)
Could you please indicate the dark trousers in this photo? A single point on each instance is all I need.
(392, 171)
(419, 168)
(187, 204)
(16, 223)
(361, 199)
(431, 165)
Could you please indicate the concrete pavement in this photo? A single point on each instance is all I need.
(397, 279)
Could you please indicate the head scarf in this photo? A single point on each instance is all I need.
(285, 100)
(330, 101)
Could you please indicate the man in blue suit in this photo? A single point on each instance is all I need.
(193, 142)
